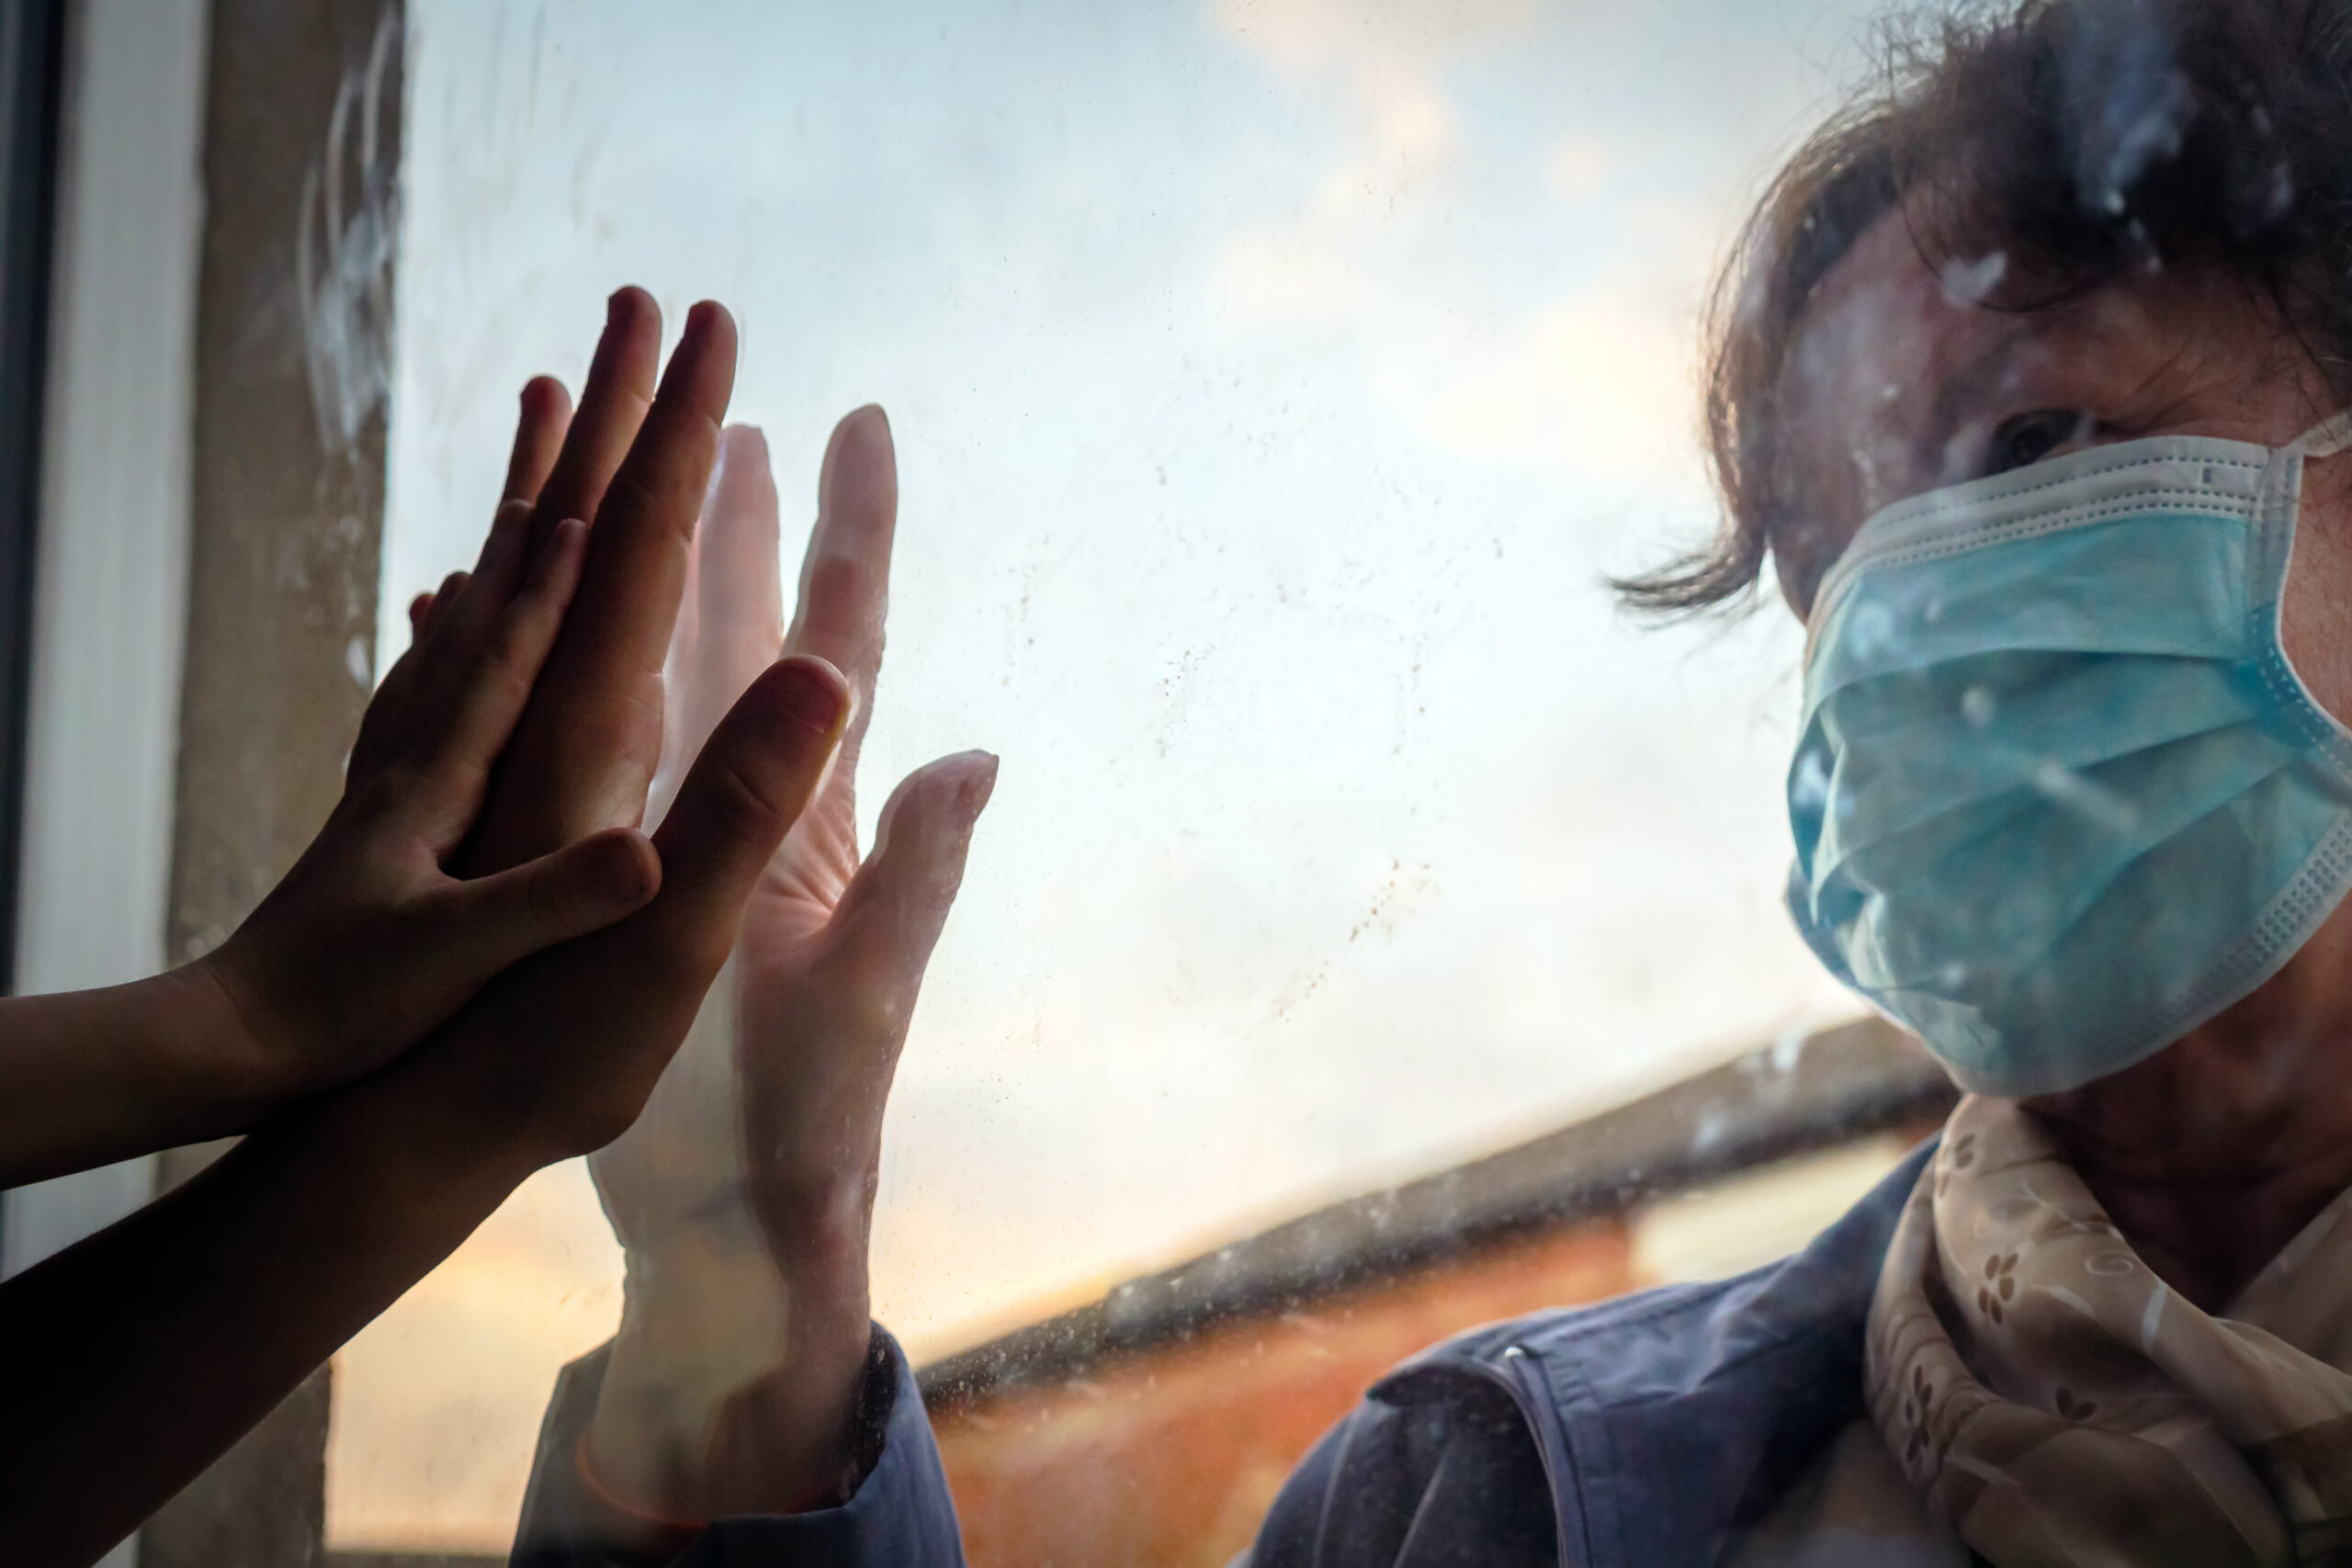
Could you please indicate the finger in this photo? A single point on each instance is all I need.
(680, 740)
(491, 689)
(737, 596)
(380, 726)
(538, 437)
(471, 931)
(437, 606)
(431, 681)
(740, 798)
(648, 519)
(613, 405)
(890, 919)
(395, 682)
(845, 576)
(588, 745)
(384, 727)
(843, 597)
(729, 621)
(505, 562)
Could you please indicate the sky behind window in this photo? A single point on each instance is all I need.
(1274, 385)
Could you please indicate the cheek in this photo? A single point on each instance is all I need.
(2317, 611)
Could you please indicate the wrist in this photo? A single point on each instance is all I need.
(245, 1048)
(734, 1377)
(206, 1053)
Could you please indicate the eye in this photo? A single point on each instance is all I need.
(2026, 439)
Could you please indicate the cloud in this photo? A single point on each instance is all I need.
(1286, 275)
(1304, 35)
(1416, 239)
(1390, 58)
(1591, 381)
(1577, 167)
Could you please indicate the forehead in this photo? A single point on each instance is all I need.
(1883, 305)
(1885, 327)
(1885, 350)
(1903, 365)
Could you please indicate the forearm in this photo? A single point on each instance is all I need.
(94, 1077)
(140, 1354)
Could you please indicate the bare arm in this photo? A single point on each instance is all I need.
(94, 1077)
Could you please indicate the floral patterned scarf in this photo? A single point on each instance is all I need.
(2055, 1405)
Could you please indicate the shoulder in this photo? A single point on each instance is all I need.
(1658, 1346)
(1436, 1468)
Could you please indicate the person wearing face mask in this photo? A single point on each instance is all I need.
(2029, 383)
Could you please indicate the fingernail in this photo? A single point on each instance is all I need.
(983, 786)
(816, 694)
(558, 552)
(629, 877)
(612, 305)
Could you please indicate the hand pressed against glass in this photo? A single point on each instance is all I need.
(1905, 378)
(744, 1192)
(274, 1255)
(368, 943)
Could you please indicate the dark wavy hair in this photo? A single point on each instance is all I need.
(2081, 139)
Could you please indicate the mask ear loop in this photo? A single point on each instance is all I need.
(2278, 520)
(2324, 439)
(2280, 501)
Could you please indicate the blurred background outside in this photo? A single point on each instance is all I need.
(1274, 382)
(1373, 931)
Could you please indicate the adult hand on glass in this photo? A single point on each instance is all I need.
(743, 1195)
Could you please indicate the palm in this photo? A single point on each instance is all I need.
(805, 881)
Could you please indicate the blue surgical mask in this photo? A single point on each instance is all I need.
(2059, 797)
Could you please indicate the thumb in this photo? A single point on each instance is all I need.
(491, 922)
(890, 917)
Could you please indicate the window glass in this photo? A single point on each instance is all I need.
(1274, 386)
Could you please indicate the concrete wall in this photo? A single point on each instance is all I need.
(300, 170)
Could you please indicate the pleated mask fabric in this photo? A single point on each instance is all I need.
(2058, 796)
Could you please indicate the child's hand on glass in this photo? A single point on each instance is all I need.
(369, 942)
